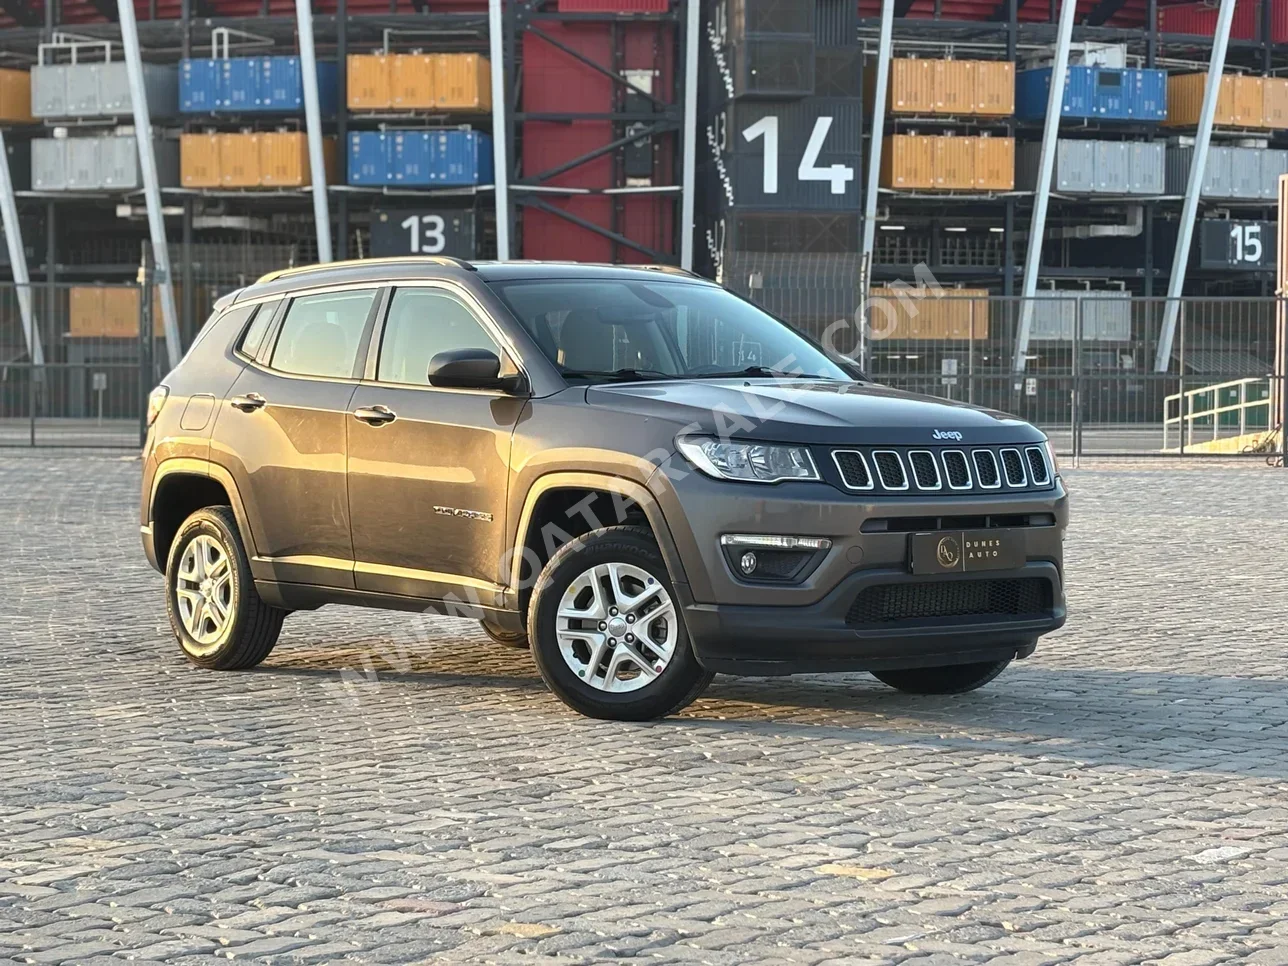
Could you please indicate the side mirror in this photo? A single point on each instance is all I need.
(473, 369)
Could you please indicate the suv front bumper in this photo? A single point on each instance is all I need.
(743, 627)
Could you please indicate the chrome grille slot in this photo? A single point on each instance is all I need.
(890, 469)
(853, 468)
(1013, 464)
(957, 469)
(986, 471)
(925, 471)
(1038, 471)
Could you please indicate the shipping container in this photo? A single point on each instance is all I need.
(460, 158)
(1146, 167)
(101, 90)
(908, 162)
(614, 6)
(1240, 103)
(1105, 316)
(1099, 93)
(747, 18)
(239, 160)
(462, 82)
(953, 163)
(994, 85)
(199, 160)
(15, 96)
(994, 163)
(199, 83)
(411, 80)
(1274, 113)
(911, 86)
(369, 78)
(1200, 19)
(112, 311)
(959, 314)
(1218, 176)
(836, 23)
(83, 171)
(49, 164)
(1074, 171)
(369, 158)
(779, 67)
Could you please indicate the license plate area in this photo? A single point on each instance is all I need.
(965, 551)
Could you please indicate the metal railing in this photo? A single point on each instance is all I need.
(1217, 419)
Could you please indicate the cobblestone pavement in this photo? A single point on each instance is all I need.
(394, 789)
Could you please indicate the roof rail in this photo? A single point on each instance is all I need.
(667, 269)
(444, 260)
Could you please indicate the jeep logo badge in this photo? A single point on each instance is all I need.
(946, 434)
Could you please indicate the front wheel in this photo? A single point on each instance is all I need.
(953, 679)
(606, 629)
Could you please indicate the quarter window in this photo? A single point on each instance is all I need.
(422, 323)
(254, 336)
(320, 334)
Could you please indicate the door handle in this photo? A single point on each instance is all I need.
(248, 403)
(375, 415)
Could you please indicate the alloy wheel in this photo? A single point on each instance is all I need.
(204, 590)
(617, 627)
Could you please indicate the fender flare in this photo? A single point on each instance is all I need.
(580, 480)
(192, 466)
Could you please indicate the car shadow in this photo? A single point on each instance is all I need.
(1130, 719)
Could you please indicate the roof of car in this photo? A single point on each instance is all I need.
(439, 266)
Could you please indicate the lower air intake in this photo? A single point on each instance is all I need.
(1016, 597)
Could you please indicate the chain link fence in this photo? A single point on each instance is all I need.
(77, 361)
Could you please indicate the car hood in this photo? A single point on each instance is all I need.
(796, 411)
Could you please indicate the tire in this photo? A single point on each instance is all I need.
(515, 639)
(953, 679)
(619, 686)
(250, 627)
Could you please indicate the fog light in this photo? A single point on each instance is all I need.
(748, 562)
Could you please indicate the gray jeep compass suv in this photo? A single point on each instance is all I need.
(638, 475)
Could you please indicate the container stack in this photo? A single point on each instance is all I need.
(780, 162)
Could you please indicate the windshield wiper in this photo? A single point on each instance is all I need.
(759, 371)
(622, 374)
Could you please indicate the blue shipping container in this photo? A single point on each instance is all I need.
(410, 158)
(369, 158)
(1095, 93)
(461, 158)
(265, 85)
(198, 86)
(1149, 95)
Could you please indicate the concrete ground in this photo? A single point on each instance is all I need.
(390, 788)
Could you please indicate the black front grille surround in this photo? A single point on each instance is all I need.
(1000, 598)
(959, 471)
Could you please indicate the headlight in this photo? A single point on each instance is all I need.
(748, 462)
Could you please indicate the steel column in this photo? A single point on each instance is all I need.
(342, 125)
(500, 132)
(148, 171)
(313, 127)
(1042, 194)
(18, 258)
(1198, 169)
(692, 32)
(884, 47)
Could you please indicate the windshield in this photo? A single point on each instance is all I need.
(610, 328)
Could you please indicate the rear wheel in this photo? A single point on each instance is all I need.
(515, 639)
(218, 618)
(606, 629)
(953, 679)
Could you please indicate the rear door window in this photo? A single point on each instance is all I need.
(321, 333)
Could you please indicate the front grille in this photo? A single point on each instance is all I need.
(890, 469)
(1014, 467)
(853, 469)
(983, 470)
(1014, 597)
(1038, 471)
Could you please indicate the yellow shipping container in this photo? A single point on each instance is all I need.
(912, 86)
(907, 161)
(959, 314)
(199, 160)
(954, 163)
(1240, 103)
(463, 82)
(369, 81)
(239, 160)
(994, 88)
(413, 80)
(954, 86)
(15, 96)
(995, 164)
(1275, 103)
(111, 312)
(284, 159)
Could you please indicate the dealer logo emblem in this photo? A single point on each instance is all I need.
(949, 552)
